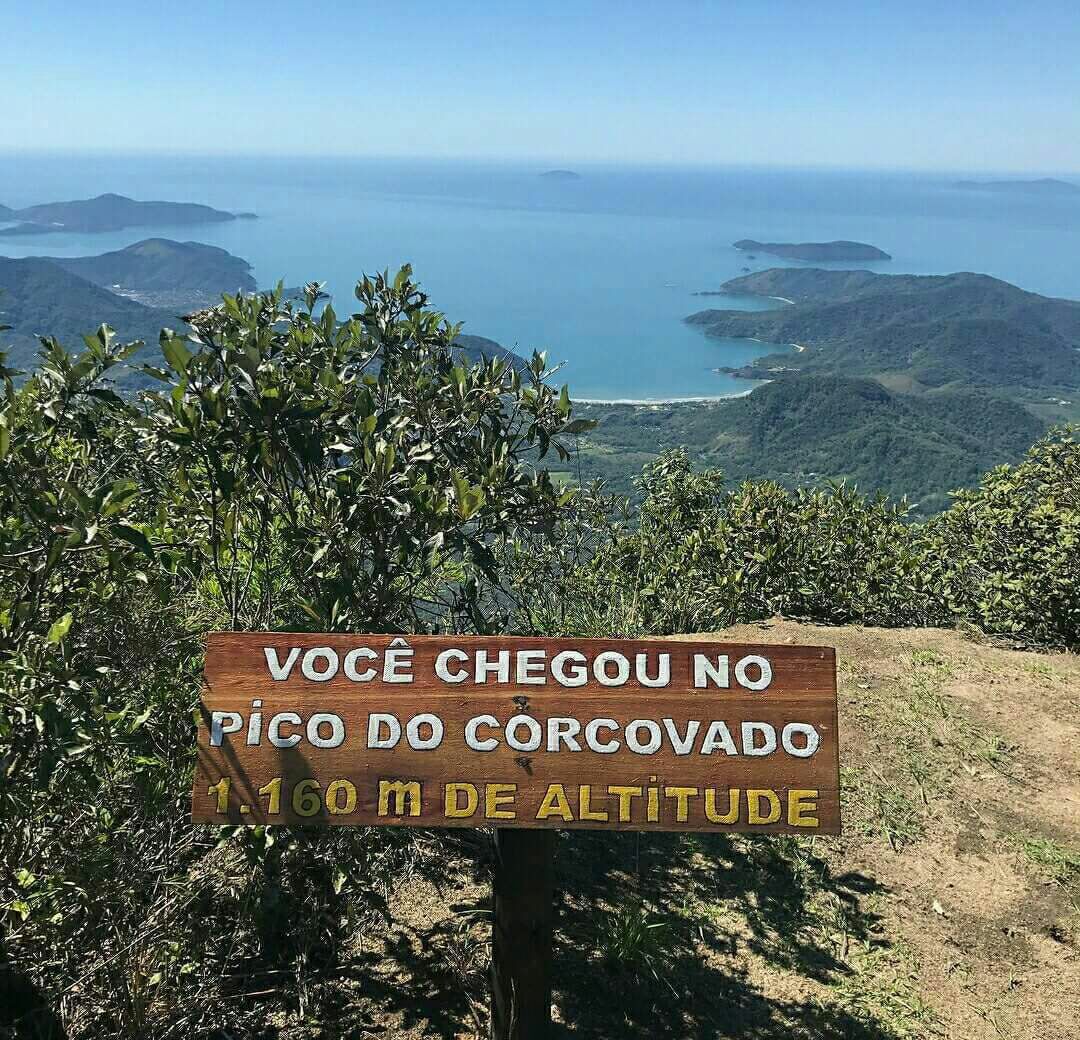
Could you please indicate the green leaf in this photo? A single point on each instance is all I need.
(175, 353)
(135, 537)
(59, 629)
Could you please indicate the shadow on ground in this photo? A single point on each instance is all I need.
(716, 900)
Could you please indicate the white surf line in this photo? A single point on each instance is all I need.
(645, 401)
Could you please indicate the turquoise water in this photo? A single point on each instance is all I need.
(599, 271)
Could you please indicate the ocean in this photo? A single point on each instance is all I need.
(599, 272)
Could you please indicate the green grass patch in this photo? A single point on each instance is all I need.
(883, 992)
(1056, 861)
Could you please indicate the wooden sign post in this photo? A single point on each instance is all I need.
(525, 735)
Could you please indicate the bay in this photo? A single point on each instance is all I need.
(598, 271)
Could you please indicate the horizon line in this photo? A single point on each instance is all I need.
(547, 162)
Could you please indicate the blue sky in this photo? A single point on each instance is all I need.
(945, 85)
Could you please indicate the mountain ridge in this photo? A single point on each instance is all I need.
(936, 330)
(158, 264)
(801, 429)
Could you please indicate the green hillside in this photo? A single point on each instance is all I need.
(67, 298)
(475, 348)
(37, 297)
(806, 429)
(159, 264)
(933, 331)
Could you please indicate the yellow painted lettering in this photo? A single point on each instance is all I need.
(406, 797)
(496, 796)
(732, 814)
(799, 805)
(754, 798)
(555, 804)
(682, 796)
(585, 809)
(624, 794)
(452, 807)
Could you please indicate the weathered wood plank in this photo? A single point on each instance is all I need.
(445, 749)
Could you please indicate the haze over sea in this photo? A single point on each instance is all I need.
(598, 271)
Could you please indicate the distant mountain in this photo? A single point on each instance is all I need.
(110, 213)
(806, 429)
(58, 297)
(38, 297)
(473, 348)
(159, 264)
(561, 175)
(6, 213)
(1043, 186)
(928, 331)
(816, 251)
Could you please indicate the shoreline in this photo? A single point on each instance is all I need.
(745, 292)
(644, 401)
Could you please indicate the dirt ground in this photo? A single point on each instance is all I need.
(949, 908)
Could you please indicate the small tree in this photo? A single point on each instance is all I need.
(295, 471)
(351, 474)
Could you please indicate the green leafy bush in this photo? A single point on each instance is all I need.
(295, 471)
(1007, 554)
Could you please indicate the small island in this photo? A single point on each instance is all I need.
(561, 175)
(1042, 186)
(109, 212)
(815, 251)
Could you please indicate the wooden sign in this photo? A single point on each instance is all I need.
(457, 731)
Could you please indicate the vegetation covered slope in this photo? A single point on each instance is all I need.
(934, 331)
(39, 297)
(806, 429)
(69, 297)
(160, 264)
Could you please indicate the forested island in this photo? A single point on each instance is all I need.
(561, 175)
(109, 212)
(815, 251)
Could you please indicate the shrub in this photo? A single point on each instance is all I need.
(1007, 554)
(703, 556)
(295, 471)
